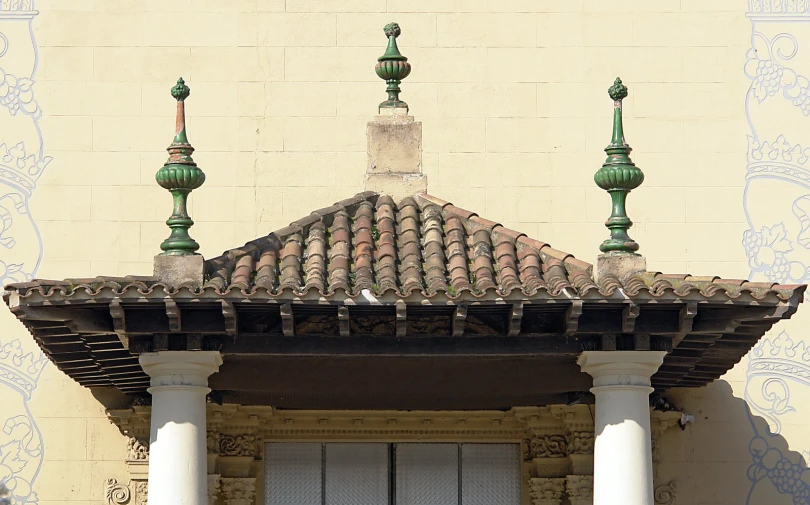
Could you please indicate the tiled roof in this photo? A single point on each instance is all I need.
(422, 247)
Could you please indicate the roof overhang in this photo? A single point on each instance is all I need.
(417, 305)
(365, 352)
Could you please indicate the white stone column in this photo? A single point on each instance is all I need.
(623, 473)
(177, 449)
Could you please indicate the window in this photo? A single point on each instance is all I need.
(391, 474)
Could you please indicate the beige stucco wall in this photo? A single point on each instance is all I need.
(512, 96)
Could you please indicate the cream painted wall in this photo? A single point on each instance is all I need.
(512, 96)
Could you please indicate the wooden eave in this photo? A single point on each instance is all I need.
(96, 339)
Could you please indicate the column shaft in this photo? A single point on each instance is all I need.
(178, 456)
(622, 449)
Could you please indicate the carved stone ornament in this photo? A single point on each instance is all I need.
(142, 492)
(239, 491)
(115, 493)
(237, 445)
(214, 487)
(580, 489)
(580, 442)
(665, 493)
(548, 446)
(546, 491)
(212, 442)
(137, 451)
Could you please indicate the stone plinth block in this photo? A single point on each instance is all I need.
(398, 186)
(619, 264)
(180, 271)
(394, 145)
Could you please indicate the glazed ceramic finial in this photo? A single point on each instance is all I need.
(618, 176)
(392, 67)
(180, 175)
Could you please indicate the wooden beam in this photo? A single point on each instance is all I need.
(556, 349)
(459, 320)
(516, 319)
(287, 320)
(119, 317)
(686, 320)
(231, 318)
(608, 342)
(402, 318)
(343, 321)
(629, 316)
(572, 317)
(641, 341)
(173, 311)
(160, 342)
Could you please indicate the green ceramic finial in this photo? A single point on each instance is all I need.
(392, 67)
(618, 176)
(180, 91)
(180, 175)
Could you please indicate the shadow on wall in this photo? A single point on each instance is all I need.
(710, 458)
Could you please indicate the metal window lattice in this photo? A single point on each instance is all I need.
(427, 474)
(292, 474)
(490, 473)
(356, 474)
(359, 474)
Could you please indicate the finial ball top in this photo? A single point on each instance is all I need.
(618, 91)
(180, 91)
(392, 30)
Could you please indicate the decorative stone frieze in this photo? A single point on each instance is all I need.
(580, 442)
(548, 446)
(578, 420)
(116, 493)
(212, 442)
(137, 450)
(237, 445)
(579, 489)
(142, 492)
(545, 491)
(214, 487)
(240, 491)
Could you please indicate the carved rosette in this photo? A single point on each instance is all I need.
(239, 491)
(547, 446)
(546, 491)
(237, 445)
(580, 442)
(580, 489)
(214, 487)
(136, 450)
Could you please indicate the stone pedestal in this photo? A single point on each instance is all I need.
(177, 448)
(623, 473)
(395, 155)
(180, 271)
(619, 264)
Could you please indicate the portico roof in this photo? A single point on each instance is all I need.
(421, 278)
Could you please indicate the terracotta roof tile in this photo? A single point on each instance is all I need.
(422, 246)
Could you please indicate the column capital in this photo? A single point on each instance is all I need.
(621, 368)
(180, 368)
